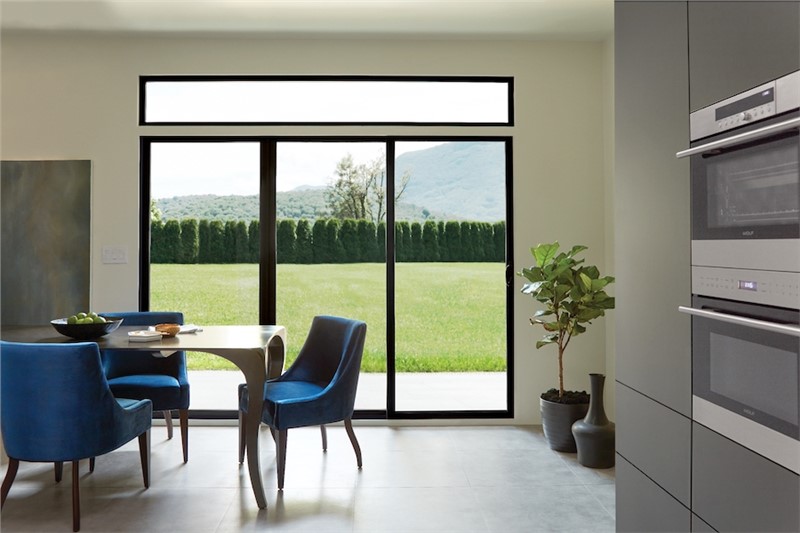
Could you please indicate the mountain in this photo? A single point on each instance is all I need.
(465, 179)
(451, 181)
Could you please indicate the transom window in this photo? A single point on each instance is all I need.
(326, 100)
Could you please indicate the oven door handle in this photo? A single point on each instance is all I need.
(766, 131)
(774, 327)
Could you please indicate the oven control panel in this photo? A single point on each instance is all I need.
(780, 289)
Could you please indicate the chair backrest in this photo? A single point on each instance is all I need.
(130, 362)
(331, 357)
(55, 402)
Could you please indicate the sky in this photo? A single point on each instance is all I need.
(231, 168)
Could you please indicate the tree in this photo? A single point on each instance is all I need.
(204, 241)
(188, 251)
(417, 250)
(359, 190)
(452, 240)
(430, 241)
(348, 237)
(366, 241)
(171, 241)
(380, 242)
(318, 240)
(216, 242)
(254, 241)
(286, 241)
(240, 242)
(304, 253)
(157, 254)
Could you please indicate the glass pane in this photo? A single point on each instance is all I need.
(450, 296)
(331, 211)
(327, 101)
(204, 249)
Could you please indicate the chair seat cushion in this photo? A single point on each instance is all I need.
(164, 391)
(281, 391)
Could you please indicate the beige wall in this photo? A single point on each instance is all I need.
(76, 97)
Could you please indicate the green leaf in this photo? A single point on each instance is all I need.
(586, 281)
(578, 248)
(543, 253)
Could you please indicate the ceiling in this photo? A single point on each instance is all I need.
(439, 19)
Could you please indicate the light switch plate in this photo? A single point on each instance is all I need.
(115, 254)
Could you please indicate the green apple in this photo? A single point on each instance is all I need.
(98, 320)
(72, 319)
(81, 315)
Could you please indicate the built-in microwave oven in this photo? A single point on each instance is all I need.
(746, 375)
(745, 184)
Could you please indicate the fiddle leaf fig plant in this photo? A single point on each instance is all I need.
(572, 294)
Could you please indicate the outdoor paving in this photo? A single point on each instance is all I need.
(441, 391)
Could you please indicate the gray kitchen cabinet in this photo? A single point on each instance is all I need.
(657, 440)
(737, 45)
(735, 489)
(651, 201)
(651, 254)
(643, 506)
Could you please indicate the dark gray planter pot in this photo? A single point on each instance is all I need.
(594, 434)
(557, 420)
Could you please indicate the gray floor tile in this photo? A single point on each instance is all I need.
(421, 479)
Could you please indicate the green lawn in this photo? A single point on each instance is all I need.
(450, 317)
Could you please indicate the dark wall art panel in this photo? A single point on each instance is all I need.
(45, 213)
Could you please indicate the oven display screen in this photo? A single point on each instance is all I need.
(746, 285)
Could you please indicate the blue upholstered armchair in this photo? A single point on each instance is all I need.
(163, 380)
(319, 388)
(57, 406)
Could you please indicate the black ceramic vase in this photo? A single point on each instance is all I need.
(594, 435)
(557, 420)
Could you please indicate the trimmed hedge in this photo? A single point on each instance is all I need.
(326, 241)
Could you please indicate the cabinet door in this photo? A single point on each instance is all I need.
(657, 440)
(651, 201)
(735, 489)
(643, 506)
(734, 46)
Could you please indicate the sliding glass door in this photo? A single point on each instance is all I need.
(331, 247)
(408, 235)
(204, 248)
(450, 287)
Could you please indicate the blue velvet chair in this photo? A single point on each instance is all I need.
(140, 375)
(57, 406)
(319, 388)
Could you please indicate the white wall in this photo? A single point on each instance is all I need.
(69, 97)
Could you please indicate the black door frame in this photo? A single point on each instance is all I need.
(268, 255)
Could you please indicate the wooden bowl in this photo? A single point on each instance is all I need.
(168, 330)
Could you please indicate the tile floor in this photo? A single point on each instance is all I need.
(415, 479)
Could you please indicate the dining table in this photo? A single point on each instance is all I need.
(258, 351)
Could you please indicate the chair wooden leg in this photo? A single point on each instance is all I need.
(91, 464)
(76, 497)
(274, 435)
(281, 456)
(184, 416)
(324, 438)
(11, 473)
(168, 420)
(242, 432)
(58, 468)
(348, 425)
(144, 454)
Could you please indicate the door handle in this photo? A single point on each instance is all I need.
(765, 325)
(760, 133)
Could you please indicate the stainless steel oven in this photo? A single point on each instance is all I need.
(746, 375)
(745, 195)
(745, 181)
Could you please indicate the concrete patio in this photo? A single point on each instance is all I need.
(444, 391)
